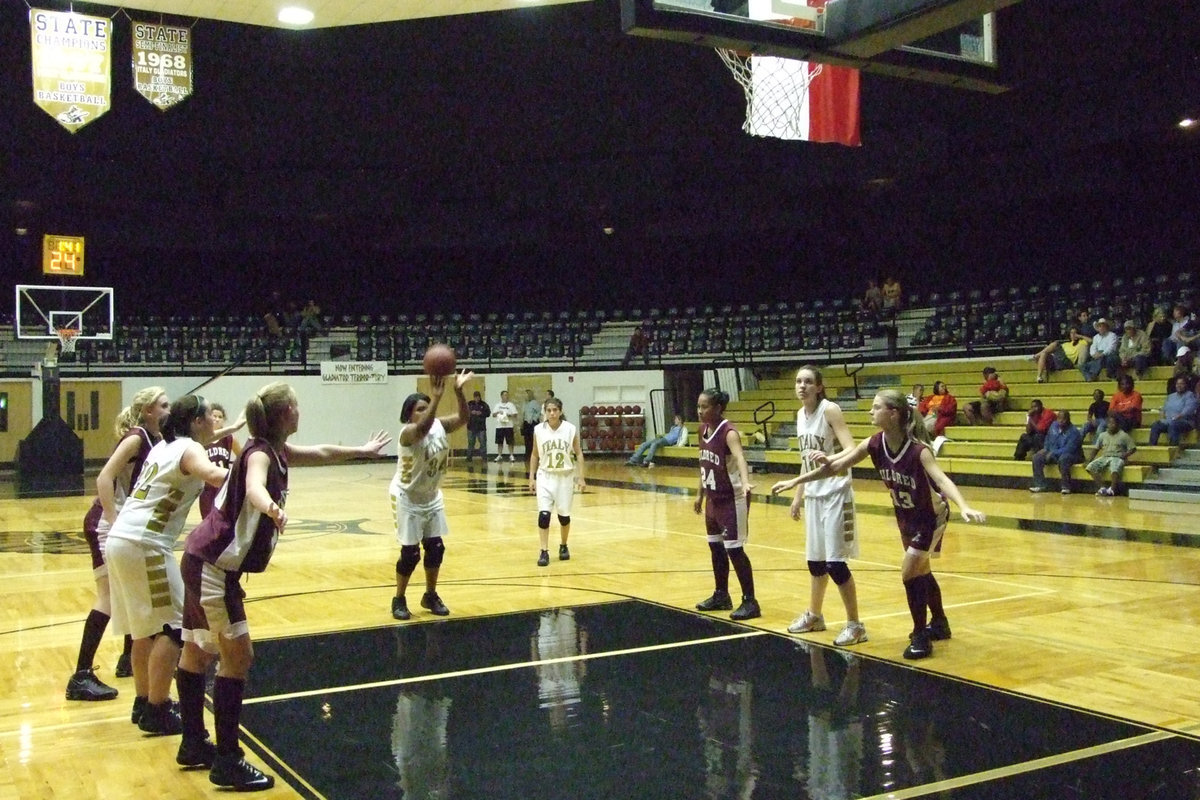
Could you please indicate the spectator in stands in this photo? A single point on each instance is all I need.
(1134, 349)
(1097, 415)
(1064, 447)
(310, 320)
(1178, 415)
(1083, 321)
(1159, 331)
(1185, 367)
(1112, 452)
(1126, 405)
(873, 299)
(916, 395)
(1179, 319)
(1064, 354)
(939, 409)
(1037, 424)
(993, 395)
(644, 454)
(891, 295)
(1102, 353)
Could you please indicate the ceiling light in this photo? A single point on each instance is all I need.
(1187, 122)
(294, 15)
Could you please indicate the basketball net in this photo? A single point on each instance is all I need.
(776, 93)
(67, 338)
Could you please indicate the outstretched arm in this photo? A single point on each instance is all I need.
(943, 482)
(317, 454)
(453, 422)
(827, 466)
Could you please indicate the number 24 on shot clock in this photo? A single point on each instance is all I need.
(62, 255)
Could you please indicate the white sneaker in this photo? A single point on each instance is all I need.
(511, 459)
(853, 633)
(807, 622)
(497, 459)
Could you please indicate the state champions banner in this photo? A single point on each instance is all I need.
(162, 63)
(72, 66)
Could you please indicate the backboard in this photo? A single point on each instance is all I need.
(41, 311)
(950, 42)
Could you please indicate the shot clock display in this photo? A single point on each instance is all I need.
(62, 255)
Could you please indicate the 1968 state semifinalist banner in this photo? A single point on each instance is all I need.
(162, 63)
(72, 66)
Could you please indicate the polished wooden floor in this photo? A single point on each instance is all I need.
(1092, 603)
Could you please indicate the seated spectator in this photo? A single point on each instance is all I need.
(1159, 331)
(310, 319)
(1102, 353)
(1179, 319)
(873, 298)
(644, 454)
(1126, 405)
(1037, 424)
(1133, 351)
(1064, 354)
(1097, 415)
(1185, 367)
(1178, 415)
(891, 295)
(916, 396)
(1112, 452)
(1083, 321)
(993, 398)
(1064, 447)
(939, 409)
(639, 347)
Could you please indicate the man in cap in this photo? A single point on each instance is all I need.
(1134, 349)
(1102, 353)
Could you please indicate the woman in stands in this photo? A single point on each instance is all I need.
(919, 489)
(137, 431)
(239, 537)
(939, 409)
(725, 485)
(830, 532)
(1126, 404)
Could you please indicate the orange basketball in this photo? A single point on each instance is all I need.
(439, 360)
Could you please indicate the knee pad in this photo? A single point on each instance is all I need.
(818, 568)
(839, 572)
(543, 519)
(410, 556)
(174, 634)
(435, 549)
(564, 521)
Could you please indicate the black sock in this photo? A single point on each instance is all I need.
(191, 702)
(227, 708)
(93, 633)
(127, 646)
(720, 565)
(934, 599)
(741, 565)
(917, 590)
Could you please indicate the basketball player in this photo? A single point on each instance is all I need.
(239, 537)
(555, 469)
(919, 489)
(828, 503)
(137, 431)
(416, 493)
(222, 451)
(147, 591)
(725, 483)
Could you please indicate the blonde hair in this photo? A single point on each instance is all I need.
(265, 413)
(131, 415)
(912, 424)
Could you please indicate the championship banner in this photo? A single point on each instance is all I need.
(71, 65)
(354, 372)
(162, 63)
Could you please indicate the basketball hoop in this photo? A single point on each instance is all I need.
(67, 338)
(776, 91)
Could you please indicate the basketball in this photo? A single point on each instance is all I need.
(439, 360)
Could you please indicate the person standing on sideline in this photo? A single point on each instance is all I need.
(477, 417)
(725, 485)
(416, 494)
(555, 469)
(1064, 447)
(531, 415)
(222, 451)
(644, 454)
(239, 537)
(830, 532)
(919, 489)
(1113, 449)
(506, 415)
(137, 429)
(1178, 415)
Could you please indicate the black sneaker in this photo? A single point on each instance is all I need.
(124, 667)
(920, 645)
(747, 610)
(720, 601)
(160, 720)
(939, 629)
(431, 601)
(544, 559)
(400, 608)
(139, 705)
(232, 771)
(563, 553)
(195, 752)
(84, 685)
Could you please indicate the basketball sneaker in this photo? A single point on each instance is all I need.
(124, 667)
(196, 752)
(84, 685)
(400, 608)
(853, 633)
(139, 705)
(720, 601)
(806, 622)
(563, 553)
(747, 610)
(920, 645)
(938, 629)
(431, 601)
(543, 559)
(160, 720)
(232, 771)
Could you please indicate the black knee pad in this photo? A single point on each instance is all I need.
(543, 519)
(818, 568)
(839, 572)
(435, 549)
(564, 521)
(174, 634)
(410, 556)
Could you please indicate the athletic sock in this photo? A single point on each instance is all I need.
(191, 702)
(935, 599)
(917, 591)
(720, 565)
(227, 708)
(741, 565)
(93, 633)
